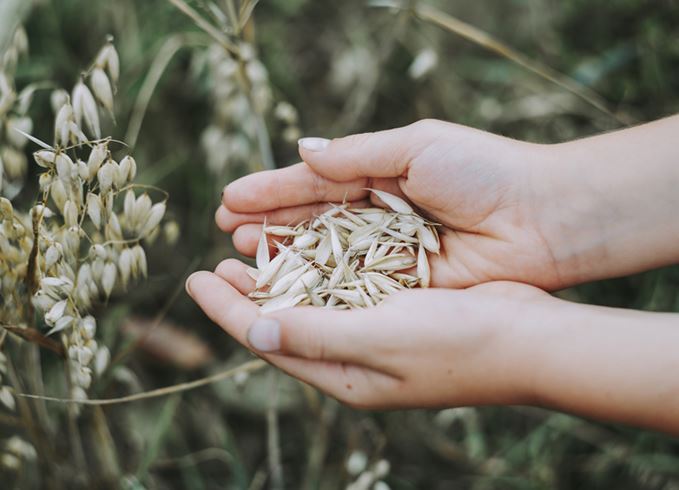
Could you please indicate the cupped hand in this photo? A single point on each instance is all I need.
(461, 347)
(476, 184)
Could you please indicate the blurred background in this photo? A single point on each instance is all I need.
(196, 119)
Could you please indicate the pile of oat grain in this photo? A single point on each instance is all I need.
(345, 258)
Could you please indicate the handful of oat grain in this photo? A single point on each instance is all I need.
(345, 258)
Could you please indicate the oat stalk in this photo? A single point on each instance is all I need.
(247, 367)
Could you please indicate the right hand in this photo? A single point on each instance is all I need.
(476, 184)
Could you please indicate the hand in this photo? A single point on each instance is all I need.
(496, 343)
(462, 347)
(547, 215)
(476, 184)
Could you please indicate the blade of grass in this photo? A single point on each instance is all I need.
(165, 54)
(239, 475)
(160, 431)
(104, 446)
(452, 24)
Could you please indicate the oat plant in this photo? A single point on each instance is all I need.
(80, 242)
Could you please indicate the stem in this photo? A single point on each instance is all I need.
(273, 434)
(191, 385)
(263, 140)
(33, 368)
(215, 33)
(104, 446)
(73, 431)
(46, 455)
(319, 445)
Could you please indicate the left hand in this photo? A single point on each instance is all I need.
(419, 348)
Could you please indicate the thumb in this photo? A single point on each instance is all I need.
(312, 333)
(380, 154)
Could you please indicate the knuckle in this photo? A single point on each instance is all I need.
(303, 341)
(427, 125)
(355, 140)
(320, 186)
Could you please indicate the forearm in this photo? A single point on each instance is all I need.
(610, 203)
(610, 364)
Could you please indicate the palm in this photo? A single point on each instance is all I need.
(489, 232)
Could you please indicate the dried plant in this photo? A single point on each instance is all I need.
(84, 236)
(13, 109)
(345, 257)
(242, 98)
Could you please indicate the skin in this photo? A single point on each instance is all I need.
(546, 215)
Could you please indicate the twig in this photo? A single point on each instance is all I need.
(471, 33)
(32, 335)
(168, 390)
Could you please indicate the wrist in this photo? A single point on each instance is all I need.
(572, 214)
(518, 321)
(606, 205)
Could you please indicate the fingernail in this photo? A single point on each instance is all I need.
(187, 284)
(265, 335)
(314, 144)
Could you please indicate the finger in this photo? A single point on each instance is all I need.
(222, 303)
(381, 154)
(228, 220)
(235, 273)
(286, 187)
(319, 334)
(246, 237)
